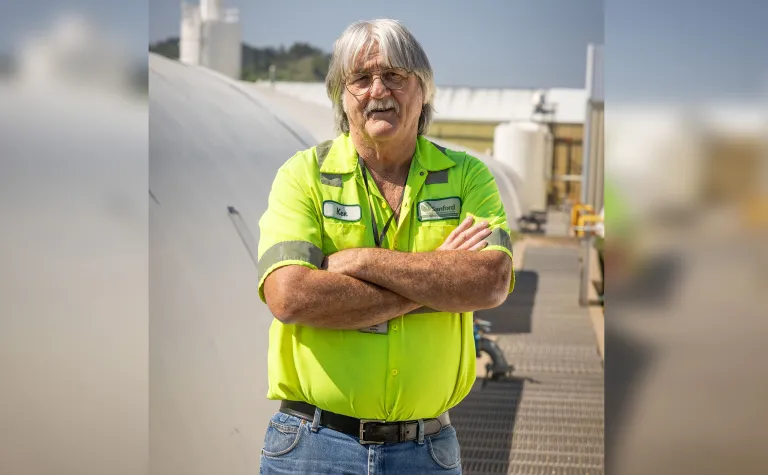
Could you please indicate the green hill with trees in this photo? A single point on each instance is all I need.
(300, 62)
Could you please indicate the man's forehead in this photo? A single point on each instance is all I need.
(369, 58)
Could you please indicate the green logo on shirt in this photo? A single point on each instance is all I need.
(435, 210)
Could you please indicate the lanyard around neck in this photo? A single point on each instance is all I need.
(376, 237)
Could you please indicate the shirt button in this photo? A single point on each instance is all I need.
(395, 243)
(394, 327)
(421, 173)
(383, 205)
(394, 372)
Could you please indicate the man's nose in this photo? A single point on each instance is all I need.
(378, 89)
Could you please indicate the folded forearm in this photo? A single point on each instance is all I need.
(328, 300)
(454, 281)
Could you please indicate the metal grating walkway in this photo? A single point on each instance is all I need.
(549, 418)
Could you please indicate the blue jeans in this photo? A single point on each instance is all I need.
(296, 446)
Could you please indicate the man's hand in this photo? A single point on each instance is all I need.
(465, 237)
(341, 262)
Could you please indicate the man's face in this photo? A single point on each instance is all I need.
(403, 106)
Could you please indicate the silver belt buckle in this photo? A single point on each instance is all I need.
(362, 431)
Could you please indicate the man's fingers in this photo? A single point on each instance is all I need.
(476, 238)
(479, 245)
(460, 228)
(478, 228)
(464, 236)
(453, 240)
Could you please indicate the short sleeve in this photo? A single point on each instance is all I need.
(290, 232)
(483, 201)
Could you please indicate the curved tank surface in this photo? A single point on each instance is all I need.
(213, 144)
(73, 278)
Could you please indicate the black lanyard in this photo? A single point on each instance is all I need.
(376, 238)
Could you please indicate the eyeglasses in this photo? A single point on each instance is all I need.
(394, 79)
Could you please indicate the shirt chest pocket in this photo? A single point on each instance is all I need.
(339, 236)
(431, 236)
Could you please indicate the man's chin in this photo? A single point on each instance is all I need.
(380, 128)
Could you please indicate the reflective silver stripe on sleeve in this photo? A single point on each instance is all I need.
(290, 251)
(331, 179)
(322, 151)
(439, 147)
(500, 237)
(435, 178)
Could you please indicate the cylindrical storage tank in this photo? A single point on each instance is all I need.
(189, 43)
(526, 148)
(211, 10)
(510, 187)
(500, 141)
(221, 49)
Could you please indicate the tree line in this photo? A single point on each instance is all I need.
(299, 62)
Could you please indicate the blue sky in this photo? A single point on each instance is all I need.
(698, 50)
(690, 50)
(493, 43)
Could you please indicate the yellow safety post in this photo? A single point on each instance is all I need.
(585, 221)
(579, 209)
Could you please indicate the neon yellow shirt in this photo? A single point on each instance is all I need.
(318, 205)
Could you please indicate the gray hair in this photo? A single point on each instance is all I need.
(398, 49)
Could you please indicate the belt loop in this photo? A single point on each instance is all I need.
(420, 432)
(316, 420)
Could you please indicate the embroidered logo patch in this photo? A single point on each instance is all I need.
(435, 210)
(331, 209)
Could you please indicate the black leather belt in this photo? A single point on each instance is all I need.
(368, 431)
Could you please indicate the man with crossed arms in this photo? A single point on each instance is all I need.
(374, 251)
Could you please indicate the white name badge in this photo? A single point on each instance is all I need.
(381, 328)
(332, 209)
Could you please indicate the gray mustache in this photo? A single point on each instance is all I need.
(383, 104)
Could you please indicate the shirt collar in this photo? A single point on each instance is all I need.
(342, 157)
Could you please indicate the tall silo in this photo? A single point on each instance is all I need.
(189, 42)
(221, 48)
(211, 37)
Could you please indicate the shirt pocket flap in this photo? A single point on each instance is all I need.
(339, 236)
(430, 237)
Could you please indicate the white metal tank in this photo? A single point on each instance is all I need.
(211, 10)
(221, 49)
(526, 147)
(215, 143)
(189, 43)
